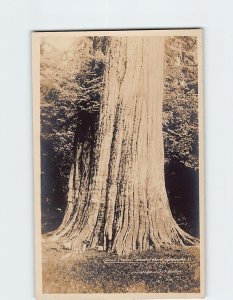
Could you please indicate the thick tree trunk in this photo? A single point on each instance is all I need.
(117, 197)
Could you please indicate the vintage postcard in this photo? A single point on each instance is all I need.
(118, 164)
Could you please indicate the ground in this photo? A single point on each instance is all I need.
(153, 271)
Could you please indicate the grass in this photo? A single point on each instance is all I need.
(163, 271)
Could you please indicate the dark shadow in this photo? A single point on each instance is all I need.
(182, 184)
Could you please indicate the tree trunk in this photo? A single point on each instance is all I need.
(117, 198)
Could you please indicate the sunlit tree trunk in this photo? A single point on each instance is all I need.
(117, 199)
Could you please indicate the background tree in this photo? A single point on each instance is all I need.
(180, 130)
(71, 89)
(180, 104)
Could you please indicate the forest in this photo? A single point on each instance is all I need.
(72, 87)
(119, 164)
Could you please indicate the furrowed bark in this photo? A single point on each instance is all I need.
(117, 198)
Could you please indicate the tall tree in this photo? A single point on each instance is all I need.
(117, 197)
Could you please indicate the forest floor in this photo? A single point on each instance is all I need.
(100, 272)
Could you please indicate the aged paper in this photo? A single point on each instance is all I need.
(118, 164)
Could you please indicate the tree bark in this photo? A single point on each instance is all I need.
(117, 198)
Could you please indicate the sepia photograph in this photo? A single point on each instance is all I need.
(118, 164)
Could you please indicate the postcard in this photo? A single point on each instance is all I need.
(118, 164)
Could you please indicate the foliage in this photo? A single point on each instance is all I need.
(180, 107)
(71, 87)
